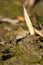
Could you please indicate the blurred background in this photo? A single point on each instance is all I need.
(13, 8)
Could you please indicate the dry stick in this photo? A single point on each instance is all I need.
(12, 21)
(28, 22)
(38, 32)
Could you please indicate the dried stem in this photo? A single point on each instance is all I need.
(38, 32)
(9, 20)
(28, 22)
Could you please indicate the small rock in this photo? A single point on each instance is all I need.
(21, 33)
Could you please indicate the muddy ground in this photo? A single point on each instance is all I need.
(17, 46)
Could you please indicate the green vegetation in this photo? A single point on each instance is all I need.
(9, 8)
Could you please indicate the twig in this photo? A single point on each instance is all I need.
(38, 32)
(9, 20)
(28, 22)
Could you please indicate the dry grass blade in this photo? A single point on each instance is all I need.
(38, 32)
(28, 22)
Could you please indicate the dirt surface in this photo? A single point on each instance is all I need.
(17, 46)
(21, 50)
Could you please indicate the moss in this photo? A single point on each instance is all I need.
(19, 52)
